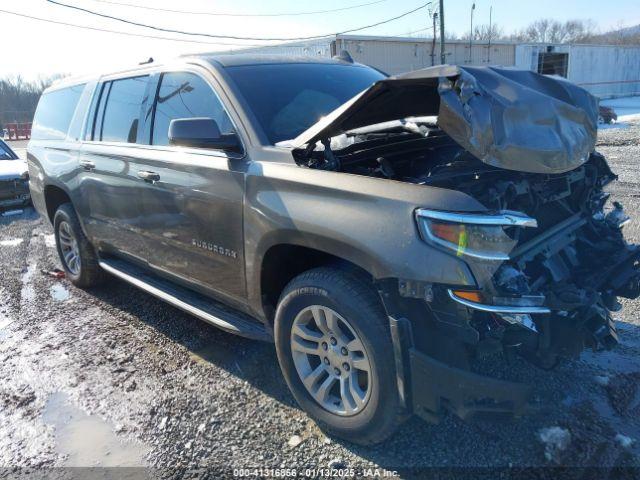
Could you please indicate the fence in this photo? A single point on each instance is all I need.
(16, 131)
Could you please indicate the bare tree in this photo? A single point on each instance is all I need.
(620, 35)
(484, 33)
(19, 98)
(547, 30)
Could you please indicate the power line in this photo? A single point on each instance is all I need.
(221, 14)
(235, 37)
(412, 32)
(85, 27)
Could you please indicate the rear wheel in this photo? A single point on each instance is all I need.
(335, 350)
(77, 255)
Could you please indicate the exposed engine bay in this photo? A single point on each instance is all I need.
(522, 145)
(576, 262)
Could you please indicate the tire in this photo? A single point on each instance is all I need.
(86, 272)
(360, 314)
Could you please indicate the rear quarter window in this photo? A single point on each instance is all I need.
(54, 113)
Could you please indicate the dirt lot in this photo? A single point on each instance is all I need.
(114, 377)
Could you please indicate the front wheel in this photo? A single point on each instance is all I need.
(334, 348)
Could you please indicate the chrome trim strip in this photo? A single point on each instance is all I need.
(496, 308)
(170, 299)
(504, 218)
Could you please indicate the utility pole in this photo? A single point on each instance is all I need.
(490, 35)
(433, 42)
(473, 7)
(442, 57)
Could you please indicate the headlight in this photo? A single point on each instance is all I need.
(487, 236)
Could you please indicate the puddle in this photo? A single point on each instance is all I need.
(14, 242)
(88, 441)
(11, 213)
(59, 292)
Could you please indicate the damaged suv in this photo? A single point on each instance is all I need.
(383, 232)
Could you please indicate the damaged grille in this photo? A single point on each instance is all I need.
(12, 189)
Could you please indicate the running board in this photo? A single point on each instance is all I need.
(206, 309)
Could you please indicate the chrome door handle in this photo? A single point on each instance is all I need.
(87, 164)
(148, 176)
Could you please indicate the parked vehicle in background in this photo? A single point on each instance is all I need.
(606, 114)
(14, 179)
(383, 232)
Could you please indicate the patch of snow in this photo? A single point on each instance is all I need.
(627, 108)
(624, 441)
(163, 423)
(294, 441)
(28, 292)
(617, 125)
(5, 321)
(50, 241)
(555, 439)
(14, 242)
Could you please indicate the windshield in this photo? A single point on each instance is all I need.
(288, 98)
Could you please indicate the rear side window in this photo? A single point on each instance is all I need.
(119, 111)
(186, 95)
(54, 113)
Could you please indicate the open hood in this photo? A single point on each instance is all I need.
(12, 169)
(512, 119)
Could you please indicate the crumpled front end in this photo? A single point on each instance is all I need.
(550, 262)
(547, 253)
(553, 291)
(14, 183)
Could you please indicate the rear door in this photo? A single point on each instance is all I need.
(194, 205)
(110, 185)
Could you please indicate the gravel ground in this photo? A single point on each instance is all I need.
(114, 377)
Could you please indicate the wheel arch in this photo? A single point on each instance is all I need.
(282, 262)
(54, 196)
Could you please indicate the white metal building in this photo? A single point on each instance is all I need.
(605, 70)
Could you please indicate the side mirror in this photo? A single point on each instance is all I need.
(201, 133)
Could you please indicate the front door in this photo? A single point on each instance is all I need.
(194, 203)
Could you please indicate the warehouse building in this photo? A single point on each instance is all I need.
(605, 70)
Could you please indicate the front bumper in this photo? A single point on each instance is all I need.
(18, 201)
(429, 387)
(14, 192)
(437, 386)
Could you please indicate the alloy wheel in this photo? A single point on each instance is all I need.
(69, 248)
(331, 360)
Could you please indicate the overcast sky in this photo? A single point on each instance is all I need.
(32, 47)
